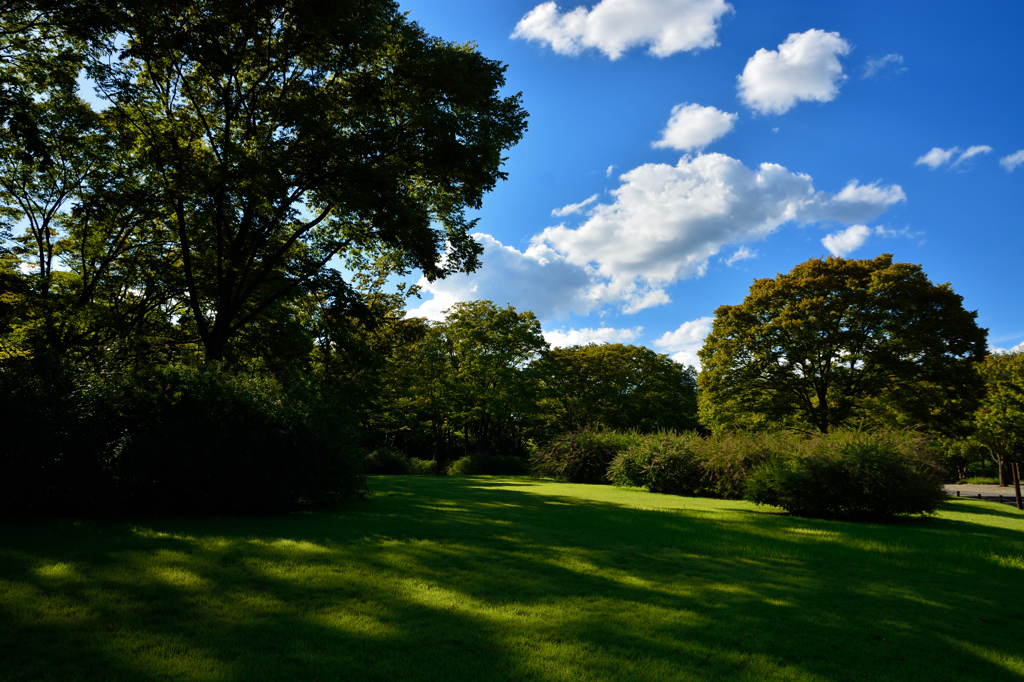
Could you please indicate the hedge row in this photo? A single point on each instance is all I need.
(172, 438)
(842, 474)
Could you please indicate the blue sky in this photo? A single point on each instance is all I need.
(679, 149)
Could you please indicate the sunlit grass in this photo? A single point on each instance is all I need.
(513, 579)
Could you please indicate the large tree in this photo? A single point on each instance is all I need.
(840, 341)
(271, 136)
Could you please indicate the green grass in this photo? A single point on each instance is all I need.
(447, 578)
(982, 480)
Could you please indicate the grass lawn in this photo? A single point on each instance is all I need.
(437, 578)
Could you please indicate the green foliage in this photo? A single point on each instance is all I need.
(465, 386)
(619, 387)
(999, 419)
(837, 342)
(853, 475)
(487, 465)
(729, 459)
(582, 456)
(423, 467)
(664, 462)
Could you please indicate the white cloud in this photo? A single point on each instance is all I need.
(805, 68)
(847, 241)
(940, 157)
(694, 127)
(615, 26)
(574, 208)
(877, 64)
(936, 157)
(667, 221)
(608, 173)
(970, 153)
(684, 342)
(560, 338)
(1019, 348)
(742, 253)
(538, 279)
(1012, 161)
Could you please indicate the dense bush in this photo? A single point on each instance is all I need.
(175, 437)
(848, 474)
(386, 460)
(665, 462)
(728, 460)
(487, 465)
(582, 456)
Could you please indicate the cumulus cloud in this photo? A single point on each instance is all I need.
(538, 279)
(1019, 348)
(608, 173)
(1012, 161)
(667, 221)
(684, 342)
(875, 65)
(847, 241)
(561, 338)
(940, 157)
(615, 26)
(574, 208)
(742, 253)
(805, 68)
(692, 126)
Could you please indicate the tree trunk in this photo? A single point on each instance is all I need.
(1016, 483)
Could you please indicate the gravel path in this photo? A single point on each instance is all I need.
(990, 493)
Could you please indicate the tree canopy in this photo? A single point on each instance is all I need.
(838, 341)
(247, 145)
(618, 386)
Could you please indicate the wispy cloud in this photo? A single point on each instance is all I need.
(742, 253)
(971, 153)
(938, 156)
(1012, 161)
(575, 208)
(875, 65)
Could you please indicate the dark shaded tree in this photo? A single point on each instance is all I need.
(618, 386)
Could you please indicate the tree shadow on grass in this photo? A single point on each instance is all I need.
(499, 579)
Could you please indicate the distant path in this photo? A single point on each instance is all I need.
(990, 493)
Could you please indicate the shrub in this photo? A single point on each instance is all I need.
(423, 467)
(582, 456)
(853, 475)
(387, 460)
(487, 465)
(665, 462)
(729, 459)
